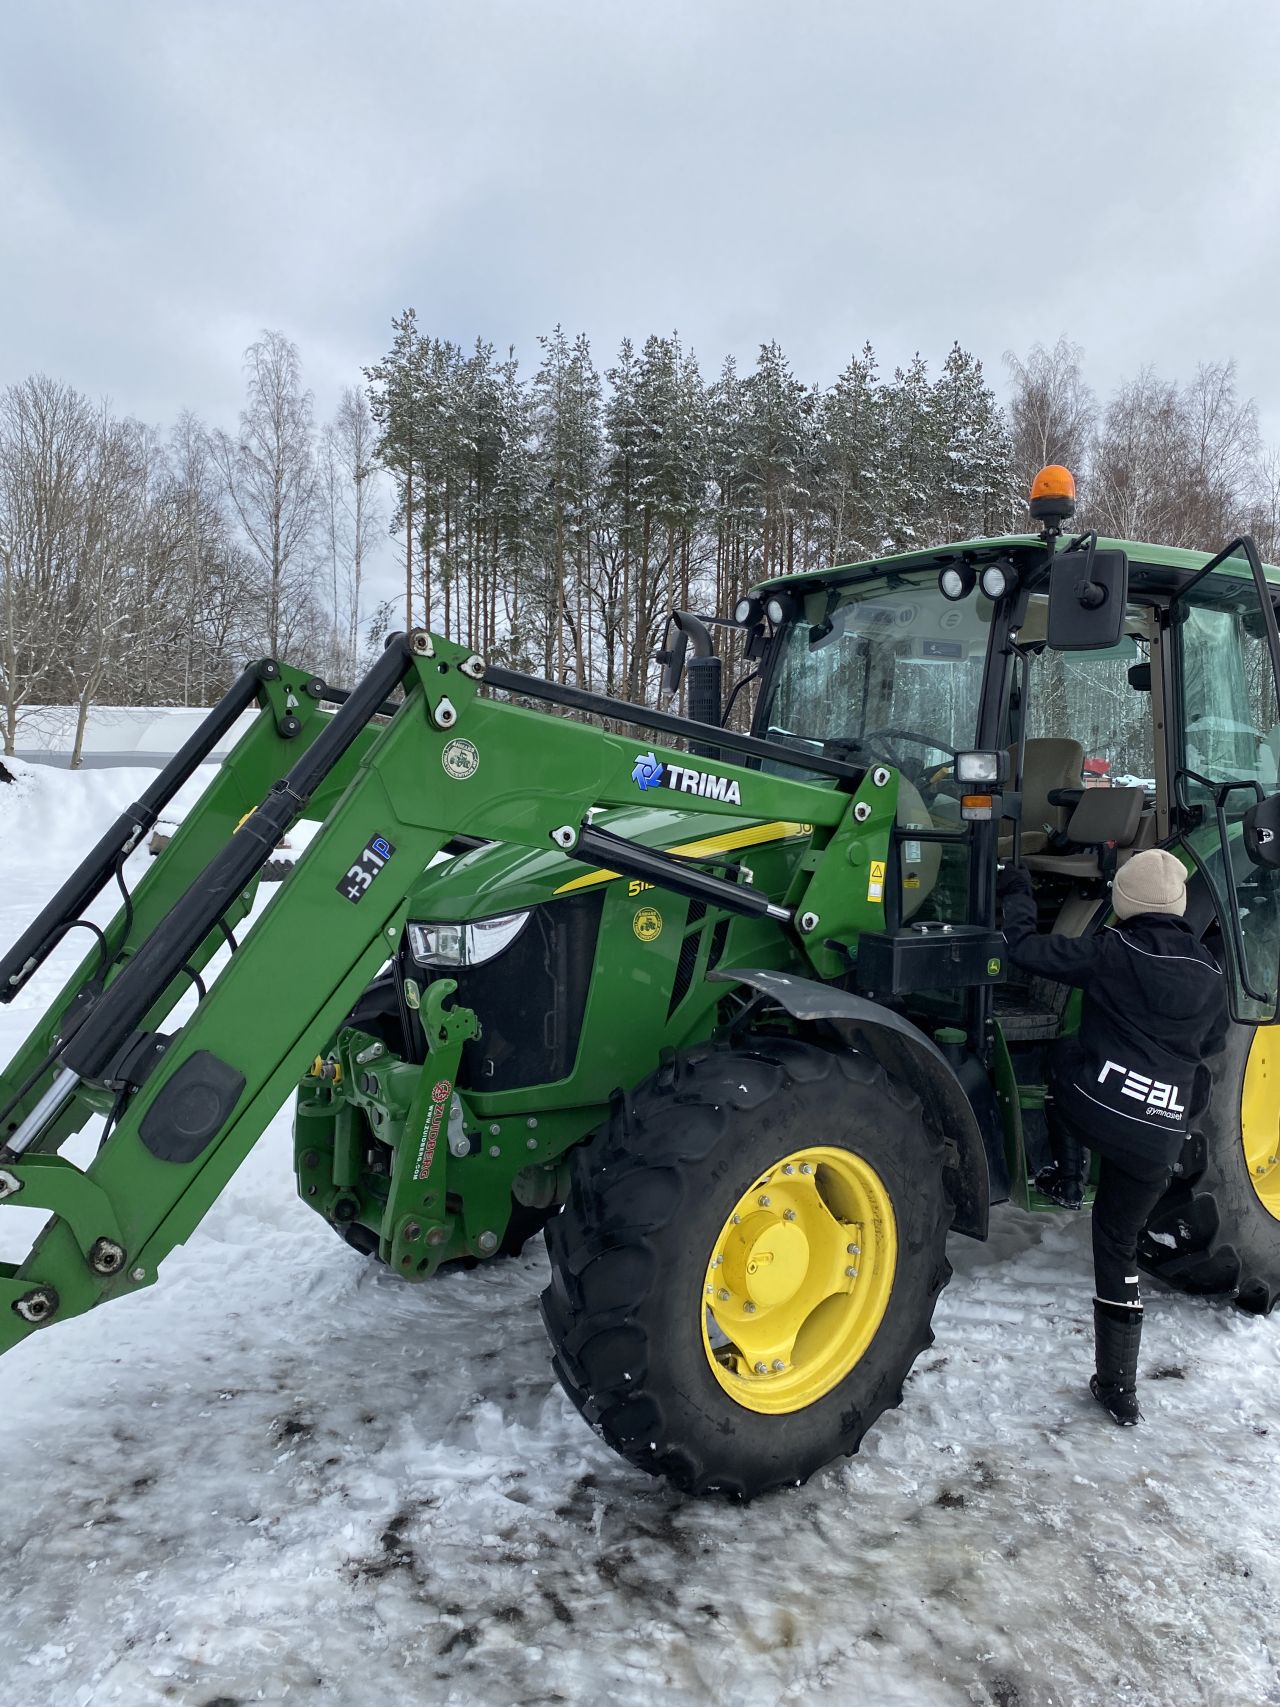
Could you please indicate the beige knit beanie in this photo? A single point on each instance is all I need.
(1150, 882)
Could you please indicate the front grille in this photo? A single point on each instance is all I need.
(530, 999)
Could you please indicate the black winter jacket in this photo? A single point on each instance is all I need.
(1154, 1008)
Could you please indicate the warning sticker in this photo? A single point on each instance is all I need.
(875, 883)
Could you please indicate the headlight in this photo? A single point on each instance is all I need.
(467, 944)
(980, 767)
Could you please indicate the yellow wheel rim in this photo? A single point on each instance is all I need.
(799, 1279)
(1260, 1117)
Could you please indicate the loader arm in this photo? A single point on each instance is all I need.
(190, 1105)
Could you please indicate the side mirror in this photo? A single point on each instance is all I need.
(1262, 832)
(1087, 595)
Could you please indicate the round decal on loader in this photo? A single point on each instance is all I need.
(460, 759)
(647, 924)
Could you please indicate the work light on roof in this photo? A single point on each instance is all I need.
(956, 581)
(994, 580)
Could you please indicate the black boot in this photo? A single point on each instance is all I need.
(1065, 1190)
(1063, 1179)
(1117, 1330)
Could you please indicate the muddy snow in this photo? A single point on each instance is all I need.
(281, 1476)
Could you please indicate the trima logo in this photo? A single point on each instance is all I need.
(649, 772)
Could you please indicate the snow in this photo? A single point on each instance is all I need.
(117, 734)
(282, 1476)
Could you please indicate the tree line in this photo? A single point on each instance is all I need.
(144, 569)
(549, 518)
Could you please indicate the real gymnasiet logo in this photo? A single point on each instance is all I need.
(649, 772)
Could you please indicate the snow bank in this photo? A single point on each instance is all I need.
(283, 1476)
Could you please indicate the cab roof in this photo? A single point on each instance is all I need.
(1176, 561)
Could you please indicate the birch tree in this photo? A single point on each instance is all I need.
(270, 475)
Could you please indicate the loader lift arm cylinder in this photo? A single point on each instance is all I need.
(41, 937)
(656, 867)
(114, 1018)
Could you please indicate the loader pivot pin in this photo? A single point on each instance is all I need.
(37, 1305)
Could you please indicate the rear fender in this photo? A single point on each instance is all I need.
(915, 1060)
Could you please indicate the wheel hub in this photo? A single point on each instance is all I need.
(798, 1280)
(766, 1259)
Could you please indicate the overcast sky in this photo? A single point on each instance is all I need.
(176, 176)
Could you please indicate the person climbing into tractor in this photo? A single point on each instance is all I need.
(1127, 1084)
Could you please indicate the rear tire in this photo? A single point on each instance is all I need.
(639, 1348)
(1216, 1231)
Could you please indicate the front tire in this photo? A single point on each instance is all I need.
(1217, 1229)
(748, 1263)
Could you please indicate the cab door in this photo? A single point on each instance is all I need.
(1224, 745)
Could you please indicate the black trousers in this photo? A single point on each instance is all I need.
(1121, 1206)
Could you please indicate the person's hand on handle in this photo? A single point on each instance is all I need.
(1011, 880)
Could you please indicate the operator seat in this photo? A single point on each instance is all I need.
(1050, 762)
(1105, 819)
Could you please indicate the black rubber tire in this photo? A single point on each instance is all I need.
(1210, 1233)
(649, 1196)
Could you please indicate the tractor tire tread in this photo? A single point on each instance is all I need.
(1209, 1235)
(627, 1185)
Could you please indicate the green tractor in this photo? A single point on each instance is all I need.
(726, 1015)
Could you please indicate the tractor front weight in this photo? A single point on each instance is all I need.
(185, 1106)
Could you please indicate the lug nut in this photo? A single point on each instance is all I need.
(788, 1214)
(852, 1273)
(762, 1368)
(805, 1168)
(749, 1308)
(787, 1168)
(723, 1295)
(765, 1201)
(854, 1250)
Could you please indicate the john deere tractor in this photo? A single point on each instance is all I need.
(726, 1015)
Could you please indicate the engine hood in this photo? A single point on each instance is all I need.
(501, 878)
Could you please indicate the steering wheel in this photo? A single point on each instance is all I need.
(884, 736)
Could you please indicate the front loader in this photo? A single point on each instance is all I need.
(727, 1014)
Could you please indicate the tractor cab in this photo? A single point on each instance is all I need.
(1059, 704)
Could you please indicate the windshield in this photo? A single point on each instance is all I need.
(889, 666)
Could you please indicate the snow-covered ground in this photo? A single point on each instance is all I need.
(281, 1476)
